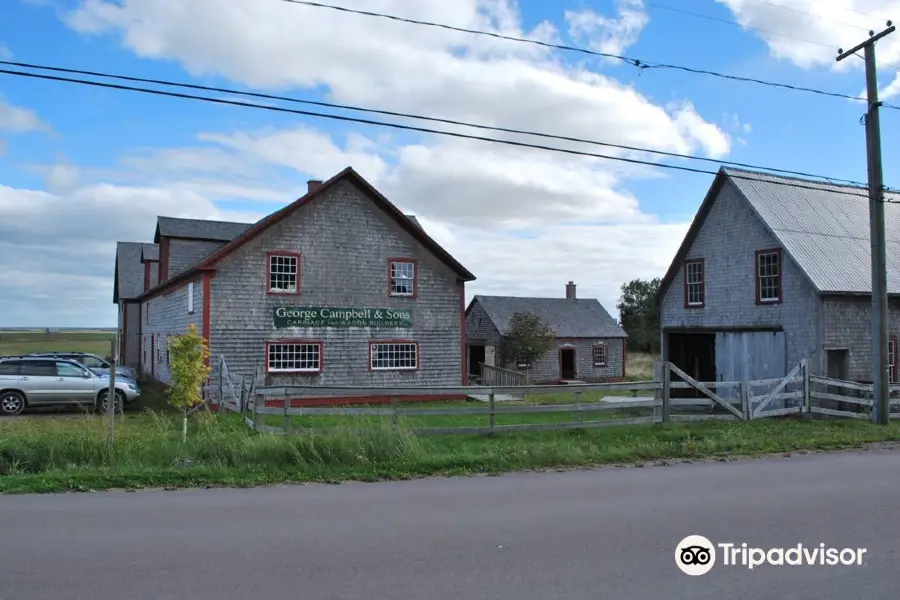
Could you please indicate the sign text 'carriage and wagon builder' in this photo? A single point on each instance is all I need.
(318, 316)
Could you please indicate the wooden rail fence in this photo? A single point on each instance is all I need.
(797, 392)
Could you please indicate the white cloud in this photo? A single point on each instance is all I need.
(610, 35)
(15, 119)
(5, 53)
(808, 33)
(502, 211)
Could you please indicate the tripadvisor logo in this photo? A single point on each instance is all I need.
(696, 555)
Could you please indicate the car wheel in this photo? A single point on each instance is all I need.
(12, 403)
(103, 401)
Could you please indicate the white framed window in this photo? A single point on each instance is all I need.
(768, 276)
(402, 277)
(294, 357)
(892, 359)
(599, 355)
(190, 297)
(393, 356)
(694, 288)
(283, 273)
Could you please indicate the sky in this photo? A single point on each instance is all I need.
(82, 167)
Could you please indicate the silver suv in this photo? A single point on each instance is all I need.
(29, 381)
(95, 363)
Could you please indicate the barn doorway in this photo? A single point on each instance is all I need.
(838, 364)
(695, 354)
(567, 363)
(476, 359)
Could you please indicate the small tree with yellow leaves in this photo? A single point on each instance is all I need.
(188, 354)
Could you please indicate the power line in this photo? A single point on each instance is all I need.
(800, 11)
(732, 22)
(454, 134)
(632, 61)
(416, 117)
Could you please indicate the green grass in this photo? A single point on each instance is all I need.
(56, 454)
(25, 342)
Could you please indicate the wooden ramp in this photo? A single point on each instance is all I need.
(497, 398)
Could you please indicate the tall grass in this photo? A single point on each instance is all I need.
(153, 441)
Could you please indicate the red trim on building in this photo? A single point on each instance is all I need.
(344, 400)
(268, 281)
(147, 275)
(319, 343)
(124, 333)
(415, 265)
(405, 369)
(463, 346)
(605, 347)
(777, 251)
(163, 260)
(684, 277)
(207, 288)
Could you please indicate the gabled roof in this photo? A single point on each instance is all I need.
(198, 229)
(409, 224)
(580, 318)
(824, 228)
(150, 252)
(128, 280)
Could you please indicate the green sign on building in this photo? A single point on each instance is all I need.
(316, 316)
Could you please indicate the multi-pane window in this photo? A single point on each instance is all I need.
(393, 355)
(599, 355)
(403, 278)
(294, 357)
(693, 283)
(284, 273)
(892, 359)
(768, 274)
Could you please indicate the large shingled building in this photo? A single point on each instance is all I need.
(774, 270)
(338, 288)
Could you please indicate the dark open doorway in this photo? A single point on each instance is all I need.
(567, 363)
(476, 359)
(695, 354)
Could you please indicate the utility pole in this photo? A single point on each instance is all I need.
(880, 366)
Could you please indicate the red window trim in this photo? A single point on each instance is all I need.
(398, 369)
(415, 265)
(269, 256)
(702, 263)
(759, 300)
(605, 354)
(319, 343)
(892, 339)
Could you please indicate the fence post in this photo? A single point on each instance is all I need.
(579, 413)
(395, 405)
(256, 402)
(745, 400)
(807, 399)
(491, 409)
(657, 393)
(666, 391)
(287, 413)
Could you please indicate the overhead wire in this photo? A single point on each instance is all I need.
(406, 115)
(641, 64)
(222, 101)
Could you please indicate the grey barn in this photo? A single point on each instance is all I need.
(338, 288)
(774, 270)
(590, 344)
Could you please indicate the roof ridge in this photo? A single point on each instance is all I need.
(729, 170)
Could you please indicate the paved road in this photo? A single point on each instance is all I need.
(605, 534)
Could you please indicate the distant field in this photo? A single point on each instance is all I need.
(24, 342)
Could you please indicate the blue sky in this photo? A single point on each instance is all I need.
(90, 134)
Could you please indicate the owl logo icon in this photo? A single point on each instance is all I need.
(695, 555)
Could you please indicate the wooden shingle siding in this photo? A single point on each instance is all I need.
(479, 327)
(547, 368)
(184, 254)
(345, 242)
(168, 315)
(848, 324)
(132, 332)
(727, 241)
